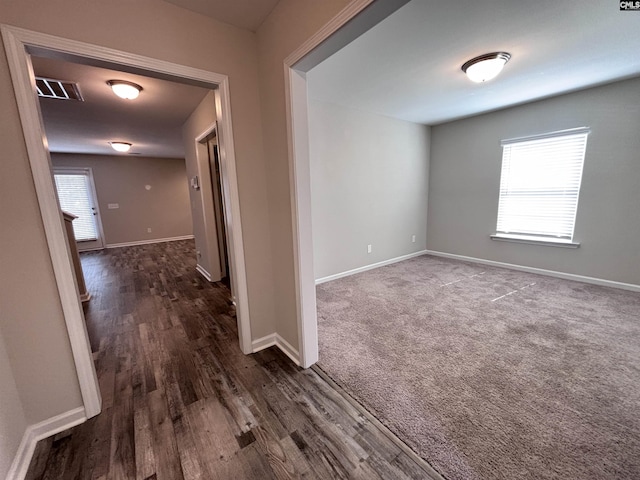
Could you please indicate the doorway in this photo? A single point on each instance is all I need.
(19, 44)
(218, 206)
(77, 195)
(340, 31)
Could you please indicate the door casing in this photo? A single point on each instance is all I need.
(18, 44)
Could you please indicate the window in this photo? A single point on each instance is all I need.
(539, 186)
(74, 193)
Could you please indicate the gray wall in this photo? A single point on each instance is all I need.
(465, 176)
(122, 180)
(369, 180)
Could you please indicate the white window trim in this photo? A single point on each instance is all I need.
(547, 242)
(542, 136)
(532, 239)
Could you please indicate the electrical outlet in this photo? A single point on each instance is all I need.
(368, 248)
(413, 239)
(149, 230)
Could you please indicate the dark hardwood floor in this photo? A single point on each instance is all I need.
(180, 400)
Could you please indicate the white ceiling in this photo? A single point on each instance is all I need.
(152, 122)
(408, 66)
(247, 14)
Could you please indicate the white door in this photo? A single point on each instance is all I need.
(77, 195)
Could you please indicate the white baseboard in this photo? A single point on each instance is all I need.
(264, 342)
(34, 433)
(204, 272)
(540, 271)
(146, 242)
(278, 341)
(369, 267)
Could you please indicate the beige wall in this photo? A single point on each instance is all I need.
(32, 320)
(466, 159)
(31, 317)
(369, 182)
(12, 419)
(288, 26)
(200, 120)
(122, 179)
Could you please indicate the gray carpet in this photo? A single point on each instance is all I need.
(490, 373)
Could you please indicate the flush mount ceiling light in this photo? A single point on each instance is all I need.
(485, 67)
(120, 146)
(123, 89)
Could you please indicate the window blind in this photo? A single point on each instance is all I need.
(75, 197)
(540, 184)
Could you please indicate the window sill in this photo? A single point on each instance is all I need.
(534, 241)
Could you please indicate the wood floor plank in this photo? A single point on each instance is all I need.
(214, 440)
(181, 401)
(40, 457)
(57, 460)
(165, 449)
(192, 468)
(98, 456)
(282, 466)
(254, 464)
(143, 441)
(122, 461)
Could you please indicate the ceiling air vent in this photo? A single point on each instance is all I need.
(49, 88)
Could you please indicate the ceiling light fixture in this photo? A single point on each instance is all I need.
(126, 90)
(485, 67)
(120, 146)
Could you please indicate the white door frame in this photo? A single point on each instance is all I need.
(17, 42)
(203, 157)
(328, 40)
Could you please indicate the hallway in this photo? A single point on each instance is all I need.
(180, 400)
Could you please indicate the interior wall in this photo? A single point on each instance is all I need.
(466, 159)
(287, 27)
(12, 419)
(164, 208)
(202, 118)
(32, 323)
(32, 319)
(369, 186)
